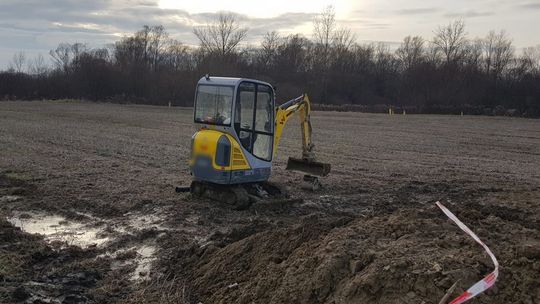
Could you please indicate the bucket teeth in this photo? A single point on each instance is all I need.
(308, 167)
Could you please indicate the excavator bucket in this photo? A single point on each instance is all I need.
(308, 167)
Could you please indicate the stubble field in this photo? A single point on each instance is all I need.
(96, 181)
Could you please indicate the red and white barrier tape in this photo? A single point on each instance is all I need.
(488, 280)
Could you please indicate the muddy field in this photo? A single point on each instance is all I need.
(88, 211)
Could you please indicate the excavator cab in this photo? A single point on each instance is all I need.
(235, 118)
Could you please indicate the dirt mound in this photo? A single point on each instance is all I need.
(410, 256)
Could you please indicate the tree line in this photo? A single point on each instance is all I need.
(449, 73)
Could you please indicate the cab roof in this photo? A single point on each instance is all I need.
(229, 81)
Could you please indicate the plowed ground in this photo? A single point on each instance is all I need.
(372, 235)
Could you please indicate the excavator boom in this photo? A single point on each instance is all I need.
(308, 163)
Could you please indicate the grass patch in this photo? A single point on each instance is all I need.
(10, 265)
(18, 176)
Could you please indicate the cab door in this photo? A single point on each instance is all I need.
(254, 119)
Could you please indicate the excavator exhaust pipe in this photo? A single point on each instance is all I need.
(308, 166)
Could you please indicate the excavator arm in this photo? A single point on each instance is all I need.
(284, 112)
(307, 163)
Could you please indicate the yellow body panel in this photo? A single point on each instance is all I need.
(205, 143)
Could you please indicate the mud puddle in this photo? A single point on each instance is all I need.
(127, 243)
(56, 228)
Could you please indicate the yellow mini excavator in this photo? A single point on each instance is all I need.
(239, 128)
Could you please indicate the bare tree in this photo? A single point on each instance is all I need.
(530, 60)
(157, 43)
(498, 52)
(37, 66)
(222, 36)
(292, 55)
(342, 57)
(144, 50)
(178, 56)
(473, 54)
(77, 49)
(101, 53)
(142, 39)
(130, 52)
(433, 53)
(384, 60)
(343, 39)
(18, 61)
(65, 54)
(269, 49)
(411, 51)
(324, 26)
(451, 41)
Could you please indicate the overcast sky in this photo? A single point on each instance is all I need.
(36, 26)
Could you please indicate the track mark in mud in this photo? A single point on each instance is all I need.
(9, 198)
(146, 255)
(138, 221)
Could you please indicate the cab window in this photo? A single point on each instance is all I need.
(213, 104)
(264, 110)
(254, 119)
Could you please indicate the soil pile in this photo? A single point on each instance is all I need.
(410, 256)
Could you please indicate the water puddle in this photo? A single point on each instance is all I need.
(140, 256)
(58, 228)
(145, 257)
(82, 234)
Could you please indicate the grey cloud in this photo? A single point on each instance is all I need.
(530, 5)
(469, 14)
(366, 24)
(73, 28)
(144, 2)
(375, 26)
(106, 17)
(259, 26)
(41, 25)
(418, 11)
(38, 24)
(392, 45)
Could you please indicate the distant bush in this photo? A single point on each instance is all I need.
(445, 110)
